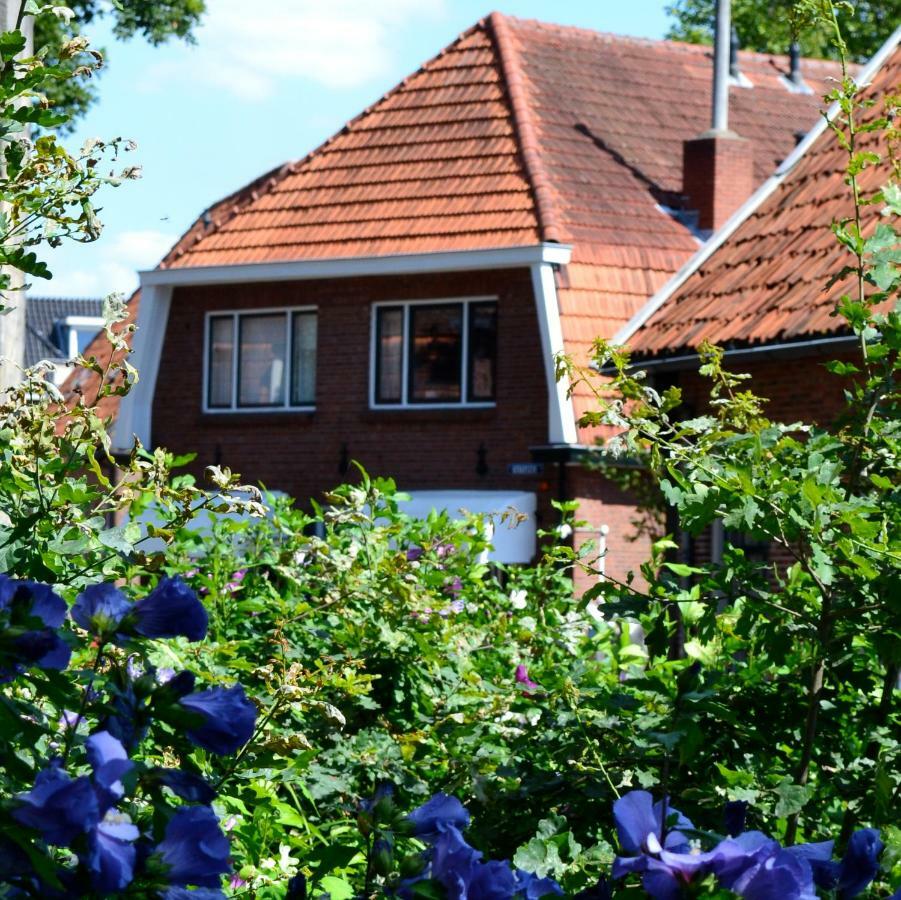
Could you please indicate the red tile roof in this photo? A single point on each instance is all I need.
(768, 281)
(517, 132)
(84, 384)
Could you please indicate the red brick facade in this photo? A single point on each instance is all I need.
(301, 453)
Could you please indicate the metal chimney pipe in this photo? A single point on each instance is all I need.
(734, 70)
(794, 57)
(720, 117)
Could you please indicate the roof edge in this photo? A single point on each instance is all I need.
(643, 316)
(545, 206)
(522, 256)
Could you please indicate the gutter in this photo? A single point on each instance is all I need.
(738, 354)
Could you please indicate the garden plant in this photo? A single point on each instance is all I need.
(340, 700)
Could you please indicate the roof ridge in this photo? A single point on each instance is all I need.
(641, 39)
(524, 128)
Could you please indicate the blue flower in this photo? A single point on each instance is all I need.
(99, 609)
(860, 863)
(531, 887)
(30, 613)
(734, 813)
(180, 893)
(781, 876)
(819, 858)
(194, 849)
(171, 609)
(438, 814)
(187, 785)
(59, 807)
(39, 599)
(111, 853)
(227, 718)
(110, 763)
(641, 828)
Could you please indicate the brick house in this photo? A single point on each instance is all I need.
(759, 289)
(398, 296)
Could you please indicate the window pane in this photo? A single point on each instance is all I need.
(436, 353)
(220, 362)
(389, 350)
(482, 350)
(261, 373)
(303, 360)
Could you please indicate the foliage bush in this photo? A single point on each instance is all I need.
(384, 665)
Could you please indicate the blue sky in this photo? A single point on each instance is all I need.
(255, 91)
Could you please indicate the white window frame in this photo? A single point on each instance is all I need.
(236, 314)
(74, 324)
(405, 355)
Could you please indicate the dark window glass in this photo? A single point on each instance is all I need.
(303, 359)
(389, 338)
(261, 370)
(221, 348)
(482, 351)
(436, 353)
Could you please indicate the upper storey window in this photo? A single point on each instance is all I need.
(261, 360)
(435, 353)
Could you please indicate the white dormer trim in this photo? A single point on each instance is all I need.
(135, 410)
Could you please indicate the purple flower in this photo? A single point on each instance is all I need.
(59, 807)
(194, 849)
(454, 586)
(437, 815)
(442, 551)
(171, 609)
(641, 828)
(99, 609)
(414, 553)
(69, 719)
(522, 677)
(227, 718)
(457, 606)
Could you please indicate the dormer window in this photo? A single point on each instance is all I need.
(74, 333)
(434, 353)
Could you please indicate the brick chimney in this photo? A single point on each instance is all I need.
(718, 166)
(717, 176)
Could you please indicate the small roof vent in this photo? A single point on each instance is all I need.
(795, 80)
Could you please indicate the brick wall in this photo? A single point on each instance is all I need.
(300, 452)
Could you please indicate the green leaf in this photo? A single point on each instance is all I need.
(792, 797)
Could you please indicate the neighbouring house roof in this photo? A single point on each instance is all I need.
(766, 282)
(43, 316)
(84, 384)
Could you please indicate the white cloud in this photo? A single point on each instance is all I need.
(248, 49)
(114, 261)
